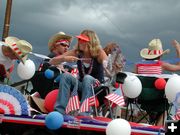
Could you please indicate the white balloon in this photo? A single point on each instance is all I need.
(118, 127)
(26, 70)
(132, 86)
(172, 87)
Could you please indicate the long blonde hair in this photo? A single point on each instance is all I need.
(94, 43)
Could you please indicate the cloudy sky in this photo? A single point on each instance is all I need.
(131, 23)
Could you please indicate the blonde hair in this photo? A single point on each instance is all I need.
(94, 43)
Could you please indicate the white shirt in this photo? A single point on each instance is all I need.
(7, 62)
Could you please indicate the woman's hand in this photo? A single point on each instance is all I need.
(70, 59)
(57, 60)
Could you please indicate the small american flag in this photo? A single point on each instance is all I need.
(116, 98)
(90, 100)
(85, 106)
(96, 83)
(177, 115)
(73, 103)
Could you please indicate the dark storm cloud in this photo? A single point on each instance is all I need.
(131, 23)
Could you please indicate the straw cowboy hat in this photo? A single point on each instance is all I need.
(20, 47)
(56, 37)
(154, 50)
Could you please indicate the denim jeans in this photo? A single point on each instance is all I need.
(67, 84)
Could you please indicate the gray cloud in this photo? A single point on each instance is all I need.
(130, 23)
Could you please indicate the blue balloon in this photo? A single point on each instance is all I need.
(54, 120)
(49, 74)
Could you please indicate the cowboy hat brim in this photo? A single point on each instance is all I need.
(56, 37)
(13, 40)
(144, 54)
(9, 42)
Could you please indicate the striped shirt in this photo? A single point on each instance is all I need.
(149, 68)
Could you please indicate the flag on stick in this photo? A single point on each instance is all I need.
(73, 103)
(116, 98)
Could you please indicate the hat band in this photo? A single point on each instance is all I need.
(155, 52)
(16, 50)
(59, 42)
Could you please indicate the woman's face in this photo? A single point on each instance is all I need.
(83, 45)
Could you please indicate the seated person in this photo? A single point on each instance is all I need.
(89, 56)
(58, 44)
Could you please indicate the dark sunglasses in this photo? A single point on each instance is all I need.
(64, 45)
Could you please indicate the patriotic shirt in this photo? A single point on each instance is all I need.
(149, 68)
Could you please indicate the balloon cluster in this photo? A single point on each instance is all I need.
(26, 71)
(132, 87)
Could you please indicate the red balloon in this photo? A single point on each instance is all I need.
(50, 100)
(160, 83)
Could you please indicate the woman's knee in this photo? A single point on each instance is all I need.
(66, 76)
(88, 77)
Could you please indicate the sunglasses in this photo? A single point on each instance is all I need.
(64, 45)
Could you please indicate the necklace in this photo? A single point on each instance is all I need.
(83, 68)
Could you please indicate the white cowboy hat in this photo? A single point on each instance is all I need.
(56, 37)
(154, 50)
(21, 48)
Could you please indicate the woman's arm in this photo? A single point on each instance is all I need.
(170, 67)
(102, 56)
(69, 56)
(173, 67)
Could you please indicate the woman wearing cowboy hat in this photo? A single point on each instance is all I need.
(13, 49)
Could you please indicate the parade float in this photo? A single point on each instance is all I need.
(19, 112)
